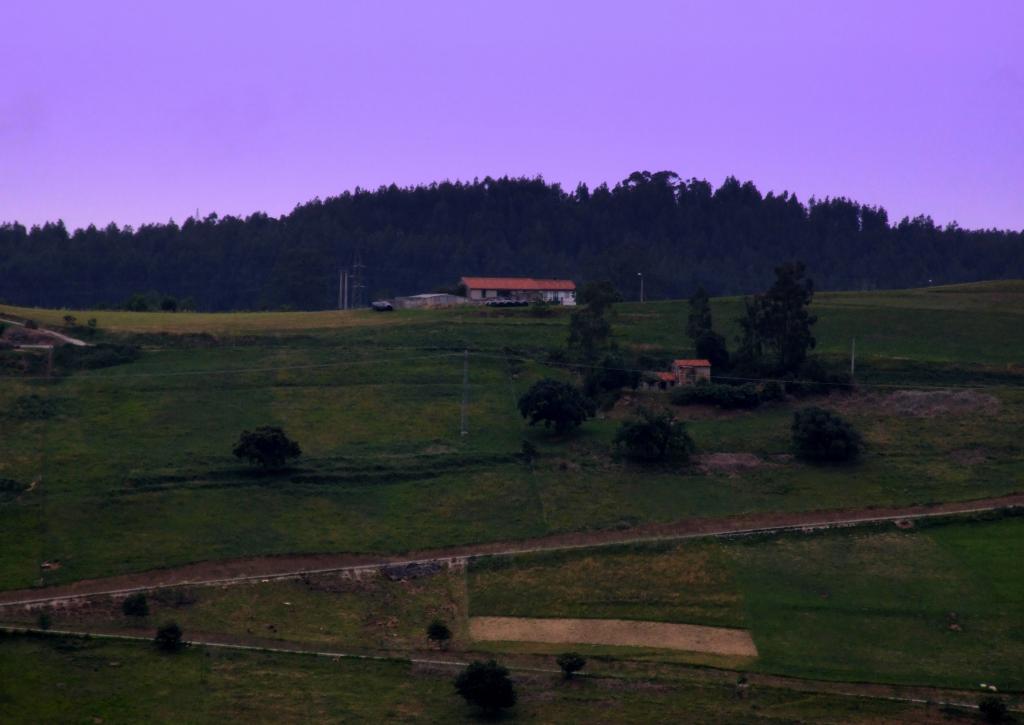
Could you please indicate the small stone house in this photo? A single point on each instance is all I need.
(691, 372)
(682, 372)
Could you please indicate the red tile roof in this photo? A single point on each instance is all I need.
(518, 283)
(667, 377)
(697, 363)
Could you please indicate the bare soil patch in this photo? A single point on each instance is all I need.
(931, 403)
(917, 403)
(731, 464)
(619, 632)
(26, 336)
(630, 403)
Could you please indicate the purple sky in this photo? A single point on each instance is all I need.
(142, 111)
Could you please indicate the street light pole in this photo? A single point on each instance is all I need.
(641, 276)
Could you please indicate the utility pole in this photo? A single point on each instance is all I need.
(853, 357)
(343, 289)
(358, 281)
(45, 428)
(465, 389)
(641, 276)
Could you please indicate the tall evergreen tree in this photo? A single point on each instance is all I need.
(777, 325)
(678, 232)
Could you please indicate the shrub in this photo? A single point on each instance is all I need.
(438, 632)
(992, 709)
(32, 407)
(654, 437)
(486, 685)
(556, 403)
(138, 302)
(813, 378)
(44, 620)
(135, 605)
(10, 489)
(612, 374)
(540, 308)
(724, 396)
(168, 637)
(72, 357)
(267, 446)
(822, 436)
(598, 295)
(772, 392)
(570, 663)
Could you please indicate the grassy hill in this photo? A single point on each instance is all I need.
(130, 466)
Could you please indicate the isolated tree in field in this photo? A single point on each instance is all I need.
(135, 605)
(654, 437)
(267, 446)
(486, 685)
(438, 633)
(708, 343)
(598, 296)
(557, 404)
(822, 436)
(711, 347)
(589, 333)
(168, 637)
(777, 325)
(699, 320)
(570, 663)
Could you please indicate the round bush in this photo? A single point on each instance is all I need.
(822, 436)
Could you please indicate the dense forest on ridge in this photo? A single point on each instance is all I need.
(679, 233)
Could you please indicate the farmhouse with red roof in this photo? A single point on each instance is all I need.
(481, 289)
(683, 372)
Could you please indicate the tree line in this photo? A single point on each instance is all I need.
(680, 233)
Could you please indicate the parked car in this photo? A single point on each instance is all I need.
(382, 306)
(506, 302)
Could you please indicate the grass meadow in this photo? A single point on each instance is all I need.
(130, 467)
(936, 605)
(939, 605)
(95, 680)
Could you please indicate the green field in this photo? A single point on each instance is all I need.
(128, 468)
(938, 605)
(102, 681)
(941, 605)
(132, 468)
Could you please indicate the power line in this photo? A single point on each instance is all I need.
(358, 281)
(502, 354)
(233, 371)
(572, 366)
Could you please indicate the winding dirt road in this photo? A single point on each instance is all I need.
(293, 566)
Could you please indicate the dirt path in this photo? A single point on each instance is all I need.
(291, 566)
(42, 332)
(617, 632)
